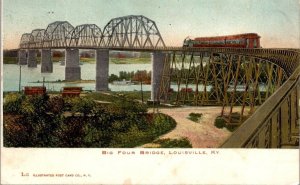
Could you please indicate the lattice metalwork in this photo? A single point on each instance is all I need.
(57, 34)
(131, 31)
(275, 124)
(86, 35)
(36, 38)
(24, 42)
(226, 79)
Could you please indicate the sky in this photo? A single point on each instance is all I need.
(276, 21)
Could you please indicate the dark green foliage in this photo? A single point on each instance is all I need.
(41, 121)
(162, 124)
(56, 104)
(136, 136)
(12, 103)
(174, 143)
(112, 78)
(195, 116)
(15, 133)
(122, 75)
(115, 96)
(80, 105)
(221, 123)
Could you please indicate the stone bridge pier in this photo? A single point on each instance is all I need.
(72, 68)
(102, 62)
(46, 63)
(32, 60)
(22, 57)
(157, 60)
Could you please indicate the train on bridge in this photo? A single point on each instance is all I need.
(246, 40)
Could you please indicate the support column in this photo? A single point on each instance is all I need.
(31, 60)
(22, 57)
(46, 63)
(72, 69)
(102, 60)
(157, 60)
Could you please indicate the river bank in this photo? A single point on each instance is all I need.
(112, 60)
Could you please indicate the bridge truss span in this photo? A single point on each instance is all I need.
(121, 32)
(132, 31)
(25, 39)
(57, 34)
(36, 38)
(86, 35)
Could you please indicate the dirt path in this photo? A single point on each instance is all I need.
(201, 135)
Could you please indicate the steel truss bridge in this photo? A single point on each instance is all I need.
(264, 83)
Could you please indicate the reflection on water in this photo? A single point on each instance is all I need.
(88, 72)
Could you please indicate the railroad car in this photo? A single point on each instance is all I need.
(246, 40)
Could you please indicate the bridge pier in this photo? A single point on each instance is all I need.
(102, 61)
(31, 60)
(157, 60)
(22, 57)
(72, 69)
(46, 63)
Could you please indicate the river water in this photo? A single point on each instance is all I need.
(88, 72)
(11, 74)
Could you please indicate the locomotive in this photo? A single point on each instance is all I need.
(246, 40)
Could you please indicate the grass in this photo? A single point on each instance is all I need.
(10, 60)
(102, 97)
(130, 60)
(134, 95)
(114, 96)
(195, 117)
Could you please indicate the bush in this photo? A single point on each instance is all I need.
(195, 116)
(221, 123)
(163, 124)
(80, 105)
(12, 103)
(41, 122)
(34, 105)
(174, 143)
(56, 104)
(15, 134)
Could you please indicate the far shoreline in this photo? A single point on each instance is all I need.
(112, 60)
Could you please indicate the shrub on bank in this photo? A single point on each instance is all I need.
(46, 122)
(195, 116)
(221, 123)
(12, 103)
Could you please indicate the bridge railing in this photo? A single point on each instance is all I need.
(275, 124)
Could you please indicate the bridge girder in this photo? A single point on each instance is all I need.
(24, 42)
(57, 34)
(131, 31)
(36, 38)
(128, 31)
(85, 35)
